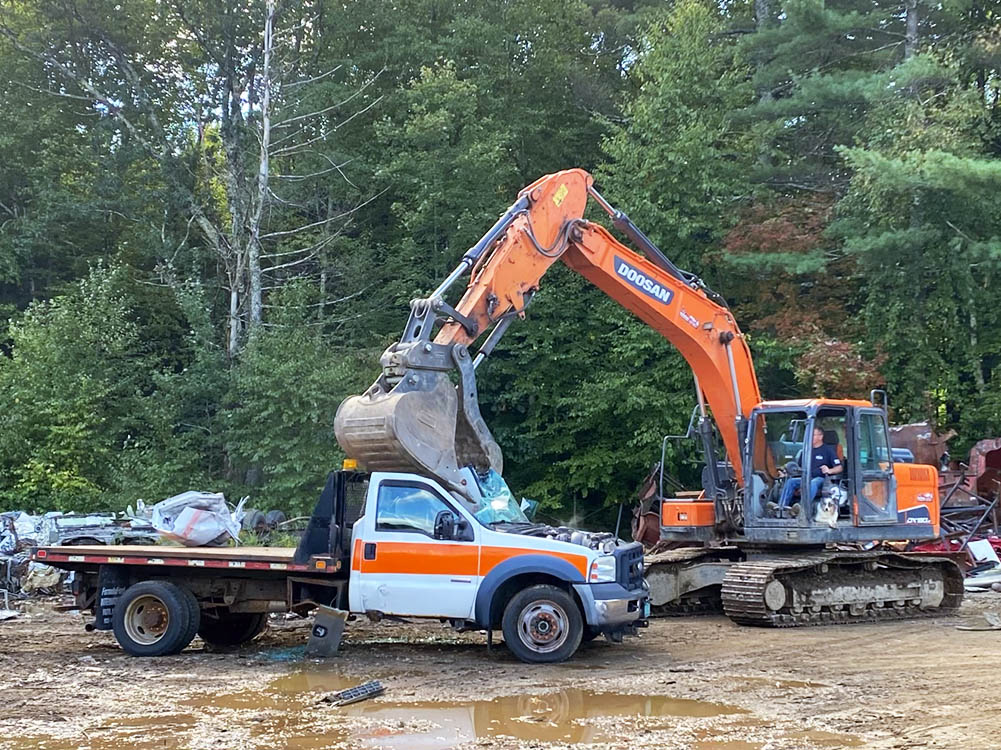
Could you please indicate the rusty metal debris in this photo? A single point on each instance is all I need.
(356, 694)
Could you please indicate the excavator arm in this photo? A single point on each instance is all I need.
(414, 418)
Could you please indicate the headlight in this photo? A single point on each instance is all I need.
(602, 569)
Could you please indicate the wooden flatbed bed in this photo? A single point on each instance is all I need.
(230, 558)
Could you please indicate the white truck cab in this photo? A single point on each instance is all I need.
(421, 551)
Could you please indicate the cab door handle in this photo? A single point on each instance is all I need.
(369, 553)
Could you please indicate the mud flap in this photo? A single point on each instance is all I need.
(328, 630)
(112, 580)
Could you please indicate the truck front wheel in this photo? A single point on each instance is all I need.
(232, 628)
(153, 618)
(542, 624)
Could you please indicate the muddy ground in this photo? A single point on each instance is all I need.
(700, 683)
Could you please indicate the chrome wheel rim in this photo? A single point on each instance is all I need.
(146, 619)
(543, 626)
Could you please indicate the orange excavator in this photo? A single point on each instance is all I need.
(770, 536)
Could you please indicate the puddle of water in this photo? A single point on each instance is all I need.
(568, 716)
(287, 714)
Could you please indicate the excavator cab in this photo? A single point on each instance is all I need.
(872, 498)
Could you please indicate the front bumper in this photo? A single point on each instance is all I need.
(612, 607)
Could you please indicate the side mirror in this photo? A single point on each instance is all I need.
(444, 525)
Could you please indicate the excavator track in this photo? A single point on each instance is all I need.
(840, 588)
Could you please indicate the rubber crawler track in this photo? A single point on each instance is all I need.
(743, 590)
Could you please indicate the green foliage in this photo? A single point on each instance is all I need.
(679, 163)
(921, 218)
(834, 181)
(279, 413)
(580, 425)
(71, 393)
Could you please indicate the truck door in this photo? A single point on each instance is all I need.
(399, 567)
(876, 491)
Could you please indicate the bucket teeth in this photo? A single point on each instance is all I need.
(403, 430)
(422, 424)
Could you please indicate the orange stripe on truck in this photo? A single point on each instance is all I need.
(491, 557)
(440, 558)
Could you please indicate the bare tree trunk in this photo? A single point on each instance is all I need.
(233, 319)
(254, 247)
(762, 14)
(911, 32)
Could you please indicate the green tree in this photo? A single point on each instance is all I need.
(71, 393)
(920, 219)
(679, 163)
(279, 413)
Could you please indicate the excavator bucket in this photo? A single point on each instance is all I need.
(413, 419)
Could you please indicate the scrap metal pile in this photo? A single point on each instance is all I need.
(191, 519)
(971, 524)
(20, 531)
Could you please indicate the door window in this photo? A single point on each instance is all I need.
(407, 508)
(877, 502)
(874, 448)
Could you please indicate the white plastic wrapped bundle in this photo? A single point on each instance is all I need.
(196, 519)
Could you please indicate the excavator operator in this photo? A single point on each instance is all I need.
(824, 462)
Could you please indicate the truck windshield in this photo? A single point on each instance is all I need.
(498, 504)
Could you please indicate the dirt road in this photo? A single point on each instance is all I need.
(699, 683)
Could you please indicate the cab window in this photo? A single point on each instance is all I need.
(778, 439)
(402, 507)
(833, 422)
(874, 448)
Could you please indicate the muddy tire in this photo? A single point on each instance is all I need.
(542, 625)
(274, 518)
(233, 628)
(153, 618)
(195, 612)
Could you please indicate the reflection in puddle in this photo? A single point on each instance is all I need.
(568, 716)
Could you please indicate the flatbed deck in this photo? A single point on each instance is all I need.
(250, 558)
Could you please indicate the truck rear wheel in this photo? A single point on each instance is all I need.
(194, 611)
(153, 618)
(233, 628)
(542, 624)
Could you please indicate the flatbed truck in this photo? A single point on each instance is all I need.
(382, 544)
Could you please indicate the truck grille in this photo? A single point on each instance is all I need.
(630, 565)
